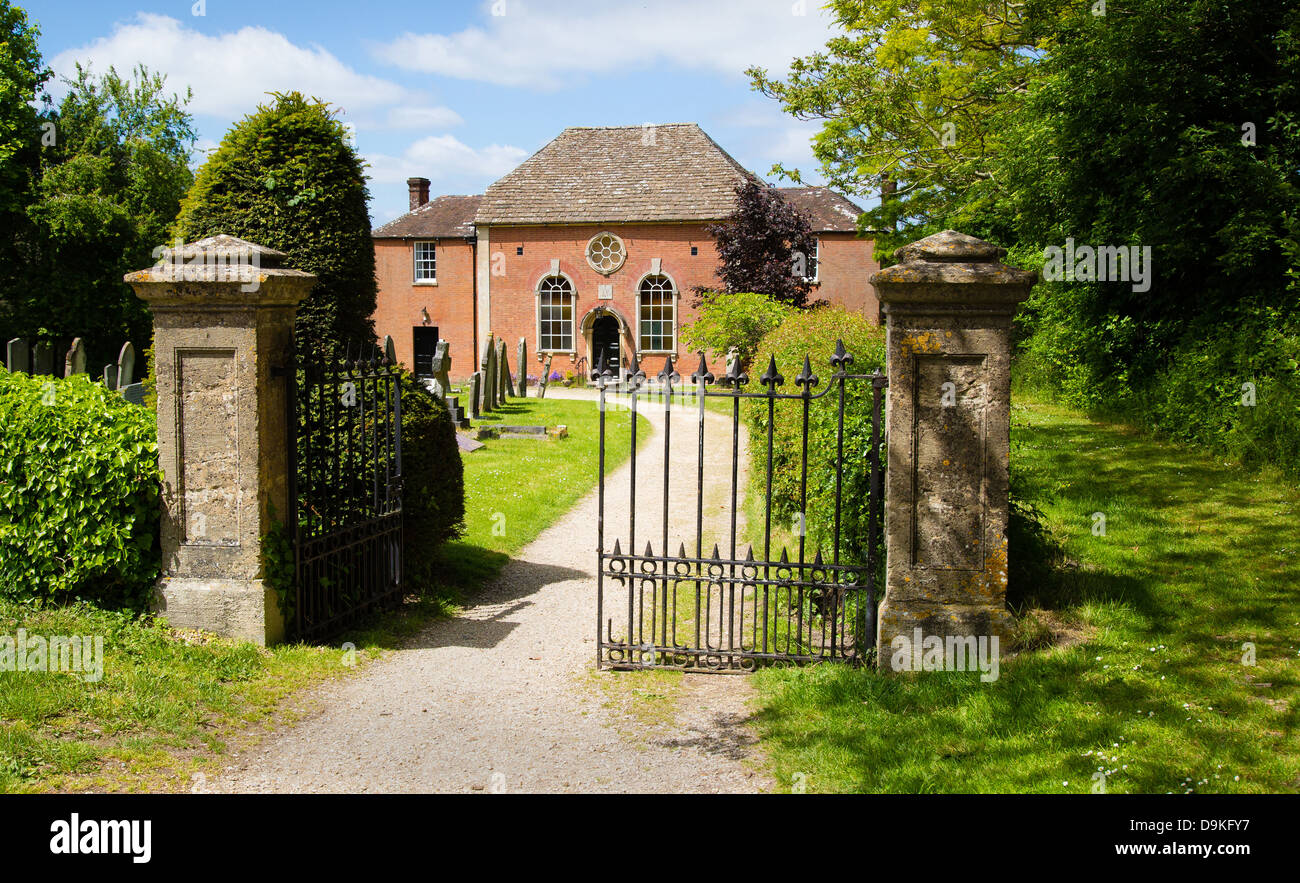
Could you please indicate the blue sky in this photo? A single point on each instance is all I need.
(461, 92)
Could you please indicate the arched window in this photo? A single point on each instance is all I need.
(555, 315)
(658, 315)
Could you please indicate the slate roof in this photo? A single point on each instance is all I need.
(610, 174)
(446, 217)
(826, 210)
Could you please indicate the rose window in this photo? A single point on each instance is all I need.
(605, 253)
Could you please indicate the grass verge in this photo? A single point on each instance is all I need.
(1180, 674)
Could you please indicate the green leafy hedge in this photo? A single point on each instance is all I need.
(79, 485)
(739, 320)
(433, 494)
(814, 333)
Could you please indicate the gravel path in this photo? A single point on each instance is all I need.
(505, 697)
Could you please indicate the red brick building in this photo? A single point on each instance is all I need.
(594, 244)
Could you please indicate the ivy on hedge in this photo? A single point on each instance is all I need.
(79, 485)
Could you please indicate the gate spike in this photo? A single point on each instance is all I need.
(817, 559)
(772, 377)
(785, 559)
(649, 552)
(749, 556)
(807, 379)
(681, 550)
(617, 551)
(842, 358)
(702, 372)
(716, 554)
(600, 367)
(735, 378)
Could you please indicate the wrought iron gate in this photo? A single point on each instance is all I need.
(716, 612)
(347, 481)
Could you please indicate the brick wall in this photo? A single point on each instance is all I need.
(514, 281)
(450, 303)
(845, 263)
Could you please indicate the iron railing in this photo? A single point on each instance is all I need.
(734, 612)
(347, 483)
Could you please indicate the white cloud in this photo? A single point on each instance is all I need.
(423, 118)
(443, 156)
(544, 43)
(230, 73)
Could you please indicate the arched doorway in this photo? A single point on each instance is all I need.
(605, 335)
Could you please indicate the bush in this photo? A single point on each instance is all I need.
(734, 320)
(287, 178)
(433, 494)
(814, 333)
(79, 485)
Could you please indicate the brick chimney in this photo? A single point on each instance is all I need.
(419, 189)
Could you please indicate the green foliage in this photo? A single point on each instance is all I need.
(278, 565)
(814, 333)
(286, 177)
(22, 74)
(737, 320)
(111, 177)
(433, 494)
(79, 484)
(916, 97)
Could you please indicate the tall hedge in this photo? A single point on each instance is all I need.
(433, 494)
(286, 177)
(814, 333)
(79, 484)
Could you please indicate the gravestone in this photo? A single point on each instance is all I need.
(503, 367)
(441, 368)
(489, 369)
(125, 365)
(545, 378)
(948, 306)
(521, 364)
(475, 381)
(17, 359)
(75, 361)
(43, 359)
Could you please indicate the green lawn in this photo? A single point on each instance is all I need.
(1148, 682)
(170, 704)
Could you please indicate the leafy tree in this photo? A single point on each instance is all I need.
(113, 168)
(739, 320)
(1172, 124)
(286, 177)
(764, 245)
(915, 95)
(22, 74)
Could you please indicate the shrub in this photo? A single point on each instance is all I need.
(286, 177)
(814, 333)
(433, 494)
(738, 320)
(79, 485)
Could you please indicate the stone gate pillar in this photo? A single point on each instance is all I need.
(947, 307)
(223, 312)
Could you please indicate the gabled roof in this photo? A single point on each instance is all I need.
(608, 174)
(446, 217)
(826, 210)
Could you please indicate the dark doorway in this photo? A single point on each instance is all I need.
(604, 341)
(425, 340)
